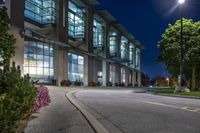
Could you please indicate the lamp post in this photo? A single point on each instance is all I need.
(167, 81)
(181, 86)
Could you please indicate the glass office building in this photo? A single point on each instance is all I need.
(39, 61)
(98, 34)
(76, 21)
(71, 40)
(40, 11)
(75, 67)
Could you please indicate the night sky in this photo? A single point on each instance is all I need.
(147, 20)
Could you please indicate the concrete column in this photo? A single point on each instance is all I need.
(17, 12)
(105, 73)
(89, 33)
(133, 78)
(19, 51)
(86, 70)
(139, 79)
(126, 77)
(89, 60)
(118, 74)
(90, 68)
(62, 20)
(105, 64)
(65, 64)
(16, 15)
(95, 69)
(60, 64)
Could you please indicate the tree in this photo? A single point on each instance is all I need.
(7, 40)
(169, 48)
(145, 79)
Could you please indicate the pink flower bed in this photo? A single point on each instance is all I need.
(42, 98)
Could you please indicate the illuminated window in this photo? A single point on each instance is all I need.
(113, 43)
(40, 11)
(99, 74)
(131, 54)
(76, 21)
(98, 34)
(124, 48)
(75, 67)
(138, 58)
(2, 1)
(38, 61)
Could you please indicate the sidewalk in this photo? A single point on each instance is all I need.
(59, 117)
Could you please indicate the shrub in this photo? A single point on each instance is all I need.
(42, 98)
(66, 83)
(116, 85)
(98, 83)
(109, 84)
(17, 98)
(77, 83)
(130, 85)
(122, 84)
(91, 84)
(94, 84)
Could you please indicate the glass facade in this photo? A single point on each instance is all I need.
(2, 1)
(113, 43)
(123, 75)
(75, 67)
(131, 55)
(98, 34)
(113, 75)
(138, 58)
(124, 48)
(39, 60)
(40, 11)
(76, 21)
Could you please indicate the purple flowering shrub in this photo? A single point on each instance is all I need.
(42, 98)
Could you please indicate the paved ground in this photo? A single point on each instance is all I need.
(59, 117)
(142, 113)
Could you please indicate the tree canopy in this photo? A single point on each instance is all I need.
(7, 40)
(169, 48)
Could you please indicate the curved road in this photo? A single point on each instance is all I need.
(129, 112)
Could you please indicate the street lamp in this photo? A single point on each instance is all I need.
(167, 81)
(181, 1)
(181, 85)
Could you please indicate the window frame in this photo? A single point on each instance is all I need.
(72, 25)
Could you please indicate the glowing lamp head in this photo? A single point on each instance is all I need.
(181, 2)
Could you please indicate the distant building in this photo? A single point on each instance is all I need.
(71, 40)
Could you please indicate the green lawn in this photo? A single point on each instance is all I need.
(171, 92)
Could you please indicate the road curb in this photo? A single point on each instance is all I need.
(96, 125)
(159, 94)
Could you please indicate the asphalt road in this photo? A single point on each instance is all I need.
(129, 112)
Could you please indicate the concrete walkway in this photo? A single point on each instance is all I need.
(59, 117)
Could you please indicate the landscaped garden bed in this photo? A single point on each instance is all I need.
(170, 91)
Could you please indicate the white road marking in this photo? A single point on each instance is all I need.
(172, 106)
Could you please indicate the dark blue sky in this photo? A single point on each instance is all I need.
(147, 20)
